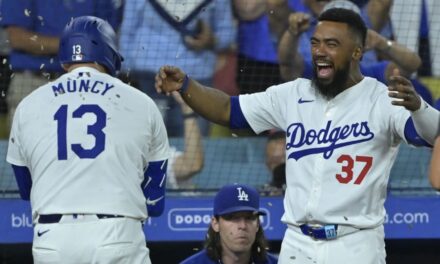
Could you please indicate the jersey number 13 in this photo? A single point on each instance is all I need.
(95, 130)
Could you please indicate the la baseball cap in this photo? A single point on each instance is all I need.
(237, 198)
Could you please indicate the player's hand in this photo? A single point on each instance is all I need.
(169, 79)
(203, 40)
(298, 23)
(402, 89)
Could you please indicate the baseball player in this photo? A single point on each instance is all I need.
(90, 152)
(235, 234)
(343, 132)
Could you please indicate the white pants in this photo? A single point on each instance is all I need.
(87, 239)
(362, 247)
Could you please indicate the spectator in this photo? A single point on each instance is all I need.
(276, 163)
(33, 28)
(294, 64)
(419, 30)
(261, 25)
(153, 33)
(93, 160)
(434, 172)
(5, 70)
(182, 166)
(235, 234)
(257, 63)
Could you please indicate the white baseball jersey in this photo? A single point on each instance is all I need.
(339, 153)
(86, 139)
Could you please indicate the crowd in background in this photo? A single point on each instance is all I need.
(238, 46)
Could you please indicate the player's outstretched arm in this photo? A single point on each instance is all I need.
(434, 172)
(210, 103)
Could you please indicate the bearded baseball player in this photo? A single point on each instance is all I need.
(343, 132)
(90, 152)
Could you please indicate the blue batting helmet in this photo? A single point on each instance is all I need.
(90, 39)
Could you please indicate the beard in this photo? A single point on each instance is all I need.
(337, 84)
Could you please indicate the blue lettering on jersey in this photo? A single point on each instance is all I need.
(71, 86)
(84, 86)
(326, 140)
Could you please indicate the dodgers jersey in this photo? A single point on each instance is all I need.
(339, 152)
(87, 138)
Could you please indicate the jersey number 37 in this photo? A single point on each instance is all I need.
(95, 130)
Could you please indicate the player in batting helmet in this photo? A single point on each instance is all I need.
(90, 39)
(113, 168)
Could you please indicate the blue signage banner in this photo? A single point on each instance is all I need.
(188, 218)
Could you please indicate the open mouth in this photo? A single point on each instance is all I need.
(324, 69)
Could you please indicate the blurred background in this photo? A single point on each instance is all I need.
(234, 46)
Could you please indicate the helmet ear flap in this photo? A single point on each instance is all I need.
(117, 58)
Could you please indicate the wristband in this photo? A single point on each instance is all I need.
(190, 115)
(184, 85)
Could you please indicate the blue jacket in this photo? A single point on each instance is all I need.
(202, 258)
(49, 17)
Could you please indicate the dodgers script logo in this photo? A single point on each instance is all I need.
(242, 195)
(325, 140)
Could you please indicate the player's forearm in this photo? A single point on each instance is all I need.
(378, 13)
(31, 42)
(434, 173)
(290, 61)
(191, 161)
(210, 103)
(404, 58)
(278, 12)
(426, 121)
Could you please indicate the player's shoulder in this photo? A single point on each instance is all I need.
(38, 96)
(297, 83)
(370, 90)
(372, 86)
(124, 89)
(299, 86)
(370, 81)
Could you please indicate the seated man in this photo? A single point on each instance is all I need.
(276, 163)
(235, 234)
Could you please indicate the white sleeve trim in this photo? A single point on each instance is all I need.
(426, 121)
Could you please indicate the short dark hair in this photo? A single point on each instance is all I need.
(354, 21)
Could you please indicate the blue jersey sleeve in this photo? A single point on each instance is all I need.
(236, 118)
(24, 181)
(153, 187)
(411, 135)
(200, 257)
